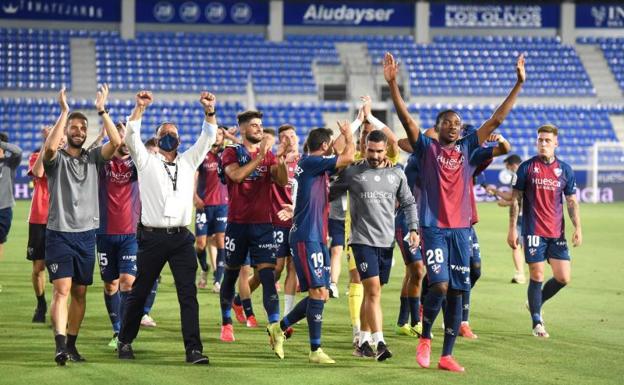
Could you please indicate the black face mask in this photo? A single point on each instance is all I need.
(168, 142)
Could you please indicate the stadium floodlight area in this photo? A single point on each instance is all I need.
(605, 172)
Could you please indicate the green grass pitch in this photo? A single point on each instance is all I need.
(585, 321)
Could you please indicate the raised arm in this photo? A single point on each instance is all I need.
(37, 168)
(137, 149)
(16, 154)
(391, 69)
(503, 110)
(347, 156)
(393, 141)
(54, 138)
(238, 173)
(197, 152)
(514, 210)
(114, 139)
(575, 217)
(339, 142)
(503, 146)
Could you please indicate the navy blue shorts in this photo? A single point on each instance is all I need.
(70, 255)
(373, 261)
(408, 257)
(6, 216)
(311, 264)
(446, 253)
(116, 255)
(539, 249)
(210, 220)
(475, 255)
(336, 229)
(36, 242)
(281, 235)
(255, 239)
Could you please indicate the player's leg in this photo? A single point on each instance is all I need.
(262, 251)
(219, 243)
(236, 246)
(535, 252)
(242, 305)
(59, 312)
(6, 217)
(402, 327)
(355, 298)
(127, 268)
(35, 252)
(320, 261)
(559, 260)
(475, 273)
(336, 230)
(219, 240)
(38, 281)
(202, 219)
(146, 319)
(109, 272)
(85, 245)
(518, 257)
(416, 273)
(459, 253)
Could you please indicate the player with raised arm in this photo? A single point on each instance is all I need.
(445, 208)
(211, 200)
(540, 186)
(120, 208)
(250, 169)
(73, 218)
(309, 234)
(374, 190)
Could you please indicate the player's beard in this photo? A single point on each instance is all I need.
(78, 144)
(252, 139)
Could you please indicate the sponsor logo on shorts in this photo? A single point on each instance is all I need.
(363, 266)
(463, 269)
(267, 246)
(561, 243)
(54, 267)
(221, 219)
(436, 268)
(128, 258)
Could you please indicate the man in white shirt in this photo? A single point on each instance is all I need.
(166, 183)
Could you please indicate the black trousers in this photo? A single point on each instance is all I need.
(155, 249)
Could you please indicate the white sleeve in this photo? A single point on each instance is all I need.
(138, 152)
(197, 152)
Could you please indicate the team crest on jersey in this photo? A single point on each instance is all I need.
(558, 171)
(391, 179)
(363, 266)
(457, 148)
(53, 267)
(436, 268)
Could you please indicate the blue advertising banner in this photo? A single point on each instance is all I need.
(599, 16)
(65, 10)
(203, 12)
(495, 16)
(349, 14)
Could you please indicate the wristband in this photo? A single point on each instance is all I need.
(213, 113)
(104, 111)
(501, 139)
(375, 122)
(355, 125)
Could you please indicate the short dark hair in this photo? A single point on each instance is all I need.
(4, 137)
(151, 142)
(317, 137)
(285, 127)
(548, 128)
(513, 159)
(224, 128)
(270, 131)
(376, 136)
(162, 124)
(246, 116)
(441, 114)
(77, 115)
